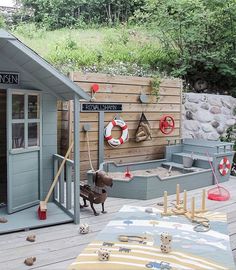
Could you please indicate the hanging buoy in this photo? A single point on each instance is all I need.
(224, 166)
(124, 137)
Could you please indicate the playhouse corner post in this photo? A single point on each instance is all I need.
(76, 160)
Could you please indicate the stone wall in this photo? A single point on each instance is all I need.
(207, 116)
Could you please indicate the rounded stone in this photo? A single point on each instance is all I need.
(192, 97)
(220, 130)
(226, 103)
(215, 101)
(215, 124)
(204, 116)
(205, 106)
(186, 134)
(189, 115)
(201, 135)
(226, 111)
(215, 110)
(192, 125)
(191, 106)
(213, 136)
(207, 127)
(204, 98)
(230, 122)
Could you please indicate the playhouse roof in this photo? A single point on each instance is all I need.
(44, 75)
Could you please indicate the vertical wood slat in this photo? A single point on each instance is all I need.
(68, 186)
(76, 160)
(61, 186)
(55, 169)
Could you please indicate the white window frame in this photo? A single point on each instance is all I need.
(26, 121)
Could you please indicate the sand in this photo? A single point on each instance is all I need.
(160, 171)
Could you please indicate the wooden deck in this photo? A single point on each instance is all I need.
(57, 246)
(28, 219)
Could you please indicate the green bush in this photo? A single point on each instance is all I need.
(30, 31)
(202, 34)
(2, 22)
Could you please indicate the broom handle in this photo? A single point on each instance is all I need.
(59, 172)
(213, 171)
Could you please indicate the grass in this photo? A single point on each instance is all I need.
(121, 50)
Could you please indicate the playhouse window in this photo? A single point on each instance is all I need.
(33, 134)
(33, 107)
(18, 135)
(25, 120)
(18, 106)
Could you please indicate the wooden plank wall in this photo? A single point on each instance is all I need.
(125, 90)
(3, 142)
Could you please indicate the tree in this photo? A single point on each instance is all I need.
(62, 13)
(53, 14)
(199, 36)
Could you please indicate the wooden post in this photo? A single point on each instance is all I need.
(203, 200)
(177, 194)
(101, 139)
(70, 121)
(185, 201)
(193, 208)
(76, 159)
(165, 202)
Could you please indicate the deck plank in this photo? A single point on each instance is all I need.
(57, 246)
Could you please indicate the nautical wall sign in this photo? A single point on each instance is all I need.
(12, 78)
(101, 107)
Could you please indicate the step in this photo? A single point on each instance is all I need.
(181, 166)
(194, 156)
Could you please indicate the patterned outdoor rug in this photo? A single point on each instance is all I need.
(190, 249)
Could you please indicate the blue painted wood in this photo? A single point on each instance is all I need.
(26, 219)
(61, 186)
(148, 187)
(76, 159)
(49, 143)
(55, 169)
(68, 187)
(24, 166)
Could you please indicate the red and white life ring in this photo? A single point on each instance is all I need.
(224, 166)
(124, 137)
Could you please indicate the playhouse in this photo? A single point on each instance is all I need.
(29, 91)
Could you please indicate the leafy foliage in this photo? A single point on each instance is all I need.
(192, 39)
(201, 33)
(2, 22)
(56, 14)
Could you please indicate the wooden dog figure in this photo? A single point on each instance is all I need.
(96, 194)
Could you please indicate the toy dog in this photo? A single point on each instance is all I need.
(96, 194)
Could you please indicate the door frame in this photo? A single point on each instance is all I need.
(26, 149)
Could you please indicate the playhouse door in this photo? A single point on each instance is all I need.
(24, 140)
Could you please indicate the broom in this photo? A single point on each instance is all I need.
(42, 210)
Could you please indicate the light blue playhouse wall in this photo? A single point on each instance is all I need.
(24, 164)
(49, 145)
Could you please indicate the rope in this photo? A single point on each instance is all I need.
(203, 224)
(89, 152)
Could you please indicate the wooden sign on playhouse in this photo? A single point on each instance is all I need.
(9, 78)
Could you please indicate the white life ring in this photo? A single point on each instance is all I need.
(224, 166)
(124, 137)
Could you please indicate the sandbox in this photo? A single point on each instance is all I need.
(150, 179)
